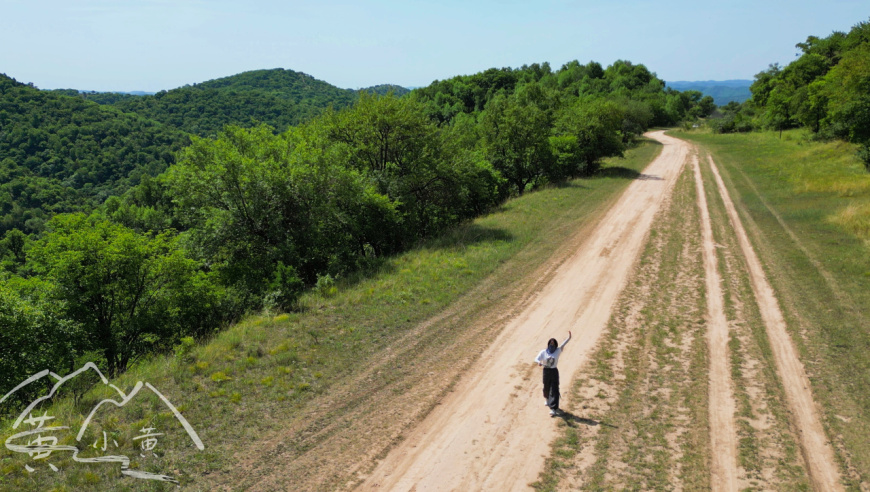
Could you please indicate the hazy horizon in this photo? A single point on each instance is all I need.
(154, 45)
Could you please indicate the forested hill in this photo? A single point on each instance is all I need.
(278, 97)
(64, 154)
(384, 89)
(722, 91)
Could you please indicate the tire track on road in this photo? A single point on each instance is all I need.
(723, 436)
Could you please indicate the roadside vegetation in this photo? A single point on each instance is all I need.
(825, 90)
(274, 372)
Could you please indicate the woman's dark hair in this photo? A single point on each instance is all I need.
(552, 343)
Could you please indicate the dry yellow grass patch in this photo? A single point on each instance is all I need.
(855, 218)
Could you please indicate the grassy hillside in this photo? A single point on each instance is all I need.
(806, 206)
(271, 373)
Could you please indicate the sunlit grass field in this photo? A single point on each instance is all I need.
(828, 175)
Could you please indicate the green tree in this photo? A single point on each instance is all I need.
(595, 127)
(129, 292)
(34, 337)
(763, 84)
(13, 250)
(705, 107)
(812, 105)
(516, 132)
(252, 200)
(394, 142)
(391, 138)
(848, 94)
(779, 107)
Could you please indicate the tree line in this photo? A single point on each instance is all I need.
(826, 90)
(249, 218)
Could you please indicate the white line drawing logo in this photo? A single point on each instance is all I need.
(41, 443)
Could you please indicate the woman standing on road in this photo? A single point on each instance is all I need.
(548, 358)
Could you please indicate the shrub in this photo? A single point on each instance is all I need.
(326, 285)
(864, 155)
(284, 290)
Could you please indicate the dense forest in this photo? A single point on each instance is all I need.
(65, 154)
(826, 90)
(249, 216)
(61, 152)
(279, 98)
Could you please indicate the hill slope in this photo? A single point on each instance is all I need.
(384, 89)
(280, 98)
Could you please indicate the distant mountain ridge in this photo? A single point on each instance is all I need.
(278, 97)
(723, 83)
(722, 91)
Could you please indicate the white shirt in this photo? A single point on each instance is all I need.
(550, 359)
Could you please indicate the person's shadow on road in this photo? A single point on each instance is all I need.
(572, 420)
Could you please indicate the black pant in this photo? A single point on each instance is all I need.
(551, 387)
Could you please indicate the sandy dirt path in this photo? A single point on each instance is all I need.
(493, 431)
(816, 448)
(723, 435)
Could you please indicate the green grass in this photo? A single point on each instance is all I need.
(251, 379)
(805, 207)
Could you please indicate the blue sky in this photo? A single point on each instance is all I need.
(151, 45)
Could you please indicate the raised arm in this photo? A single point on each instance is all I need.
(566, 340)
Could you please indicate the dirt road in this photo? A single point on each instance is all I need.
(493, 432)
